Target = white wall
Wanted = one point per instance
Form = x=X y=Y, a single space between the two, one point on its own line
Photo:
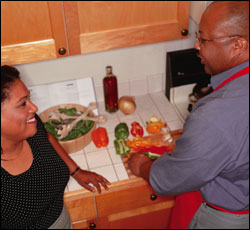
x=196 y=10
x=128 y=63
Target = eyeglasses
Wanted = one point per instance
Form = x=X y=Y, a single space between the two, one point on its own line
x=204 y=41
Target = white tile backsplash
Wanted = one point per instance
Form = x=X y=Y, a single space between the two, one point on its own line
x=138 y=86
x=123 y=88
x=155 y=83
x=99 y=92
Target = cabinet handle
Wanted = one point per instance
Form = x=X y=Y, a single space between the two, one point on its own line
x=153 y=196
x=62 y=51
x=184 y=32
x=92 y=225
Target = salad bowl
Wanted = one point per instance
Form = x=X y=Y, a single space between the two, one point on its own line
x=72 y=144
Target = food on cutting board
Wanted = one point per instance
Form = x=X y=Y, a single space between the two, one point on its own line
x=100 y=137
x=127 y=104
x=154 y=125
x=153 y=145
x=147 y=144
x=63 y=118
x=138 y=141
x=136 y=129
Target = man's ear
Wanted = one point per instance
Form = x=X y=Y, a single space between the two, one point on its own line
x=241 y=45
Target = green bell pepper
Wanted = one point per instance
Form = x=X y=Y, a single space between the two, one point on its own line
x=121 y=131
x=121 y=147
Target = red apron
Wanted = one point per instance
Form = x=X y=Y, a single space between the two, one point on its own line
x=188 y=203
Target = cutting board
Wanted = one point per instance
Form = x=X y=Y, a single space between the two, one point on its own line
x=155 y=138
x=158 y=138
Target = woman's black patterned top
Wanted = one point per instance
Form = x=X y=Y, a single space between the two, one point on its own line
x=34 y=199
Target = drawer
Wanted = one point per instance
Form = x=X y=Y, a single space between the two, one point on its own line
x=129 y=199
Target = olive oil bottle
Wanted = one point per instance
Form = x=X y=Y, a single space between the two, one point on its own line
x=110 y=91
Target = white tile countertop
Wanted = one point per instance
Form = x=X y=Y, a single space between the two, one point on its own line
x=105 y=161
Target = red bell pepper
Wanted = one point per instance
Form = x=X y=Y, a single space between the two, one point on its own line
x=136 y=129
x=153 y=149
x=100 y=137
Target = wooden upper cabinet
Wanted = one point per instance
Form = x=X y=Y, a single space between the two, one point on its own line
x=36 y=30
x=31 y=31
x=105 y=25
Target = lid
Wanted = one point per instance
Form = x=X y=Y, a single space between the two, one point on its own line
x=109 y=69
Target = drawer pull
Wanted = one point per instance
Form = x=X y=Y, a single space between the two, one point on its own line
x=184 y=32
x=92 y=225
x=153 y=196
x=62 y=51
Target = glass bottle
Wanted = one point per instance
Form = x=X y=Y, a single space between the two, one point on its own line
x=110 y=91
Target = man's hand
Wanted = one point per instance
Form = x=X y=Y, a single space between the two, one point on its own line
x=135 y=164
x=84 y=178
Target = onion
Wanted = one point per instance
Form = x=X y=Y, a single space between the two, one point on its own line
x=127 y=104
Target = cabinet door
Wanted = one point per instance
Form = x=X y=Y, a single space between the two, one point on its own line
x=134 y=208
x=104 y=25
x=31 y=31
x=81 y=211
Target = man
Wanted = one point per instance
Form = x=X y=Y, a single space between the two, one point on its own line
x=210 y=165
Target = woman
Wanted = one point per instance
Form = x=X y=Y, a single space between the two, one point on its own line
x=34 y=167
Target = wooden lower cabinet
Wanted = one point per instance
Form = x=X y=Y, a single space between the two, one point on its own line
x=135 y=207
x=81 y=208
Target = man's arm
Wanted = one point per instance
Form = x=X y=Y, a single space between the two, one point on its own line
x=140 y=165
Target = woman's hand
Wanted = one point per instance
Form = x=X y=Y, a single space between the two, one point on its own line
x=84 y=178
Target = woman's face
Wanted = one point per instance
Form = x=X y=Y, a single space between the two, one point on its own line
x=18 y=114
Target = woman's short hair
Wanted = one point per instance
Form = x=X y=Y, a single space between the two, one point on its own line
x=9 y=75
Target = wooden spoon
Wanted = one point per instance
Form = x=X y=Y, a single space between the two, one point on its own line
x=67 y=128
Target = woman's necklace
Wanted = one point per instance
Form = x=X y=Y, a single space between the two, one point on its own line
x=11 y=159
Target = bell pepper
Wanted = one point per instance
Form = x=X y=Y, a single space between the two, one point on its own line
x=153 y=149
x=121 y=131
x=136 y=129
x=155 y=127
x=140 y=141
x=151 y=155
x=100 y=137
x=121 y=147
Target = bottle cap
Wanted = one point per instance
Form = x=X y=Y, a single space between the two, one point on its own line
x=109 y=69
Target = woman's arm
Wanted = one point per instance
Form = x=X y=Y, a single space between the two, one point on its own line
x=83 y=177
x=62 y=153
